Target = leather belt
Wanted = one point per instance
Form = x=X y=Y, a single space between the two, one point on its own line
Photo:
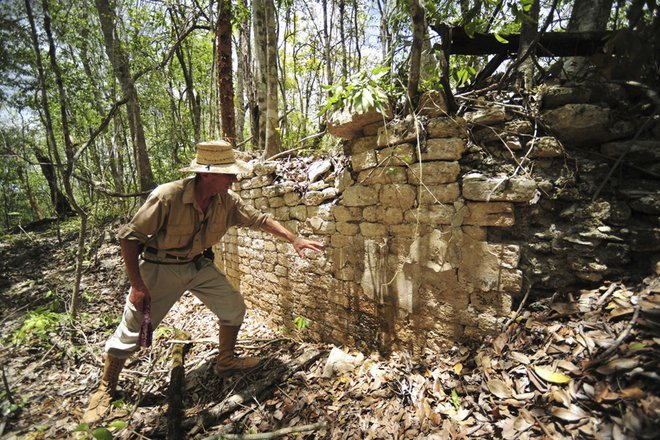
x=174 y=259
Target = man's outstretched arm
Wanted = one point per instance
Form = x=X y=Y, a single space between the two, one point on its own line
x=299 y=243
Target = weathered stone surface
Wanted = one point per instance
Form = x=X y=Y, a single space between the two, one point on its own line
x=348 y=125
x=344 y=214
x=363 y=161
x=443 y=149
x=432 y=104
x=264 y=168
x=298 y=212
x=640 y=152
x=399 y=133
x=398 y=196
x=360 y=196
x=590 y=92
x=447 y=127
x=487 y=116
x=433 y=194
x=362 y=144
x=291 y=198
x=373 y=229
x=478 y=187
x=256 y=182
x=312 y=198
x=383 y=175
x=399 y=155
x=318 y=169
x=347 y=228
x=519 y=127
x=584 y=123
x=490 y=214
x=545 y=147
x=432 y=215
x=433 y=172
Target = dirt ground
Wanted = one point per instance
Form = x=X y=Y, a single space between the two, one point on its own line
x=582 y=366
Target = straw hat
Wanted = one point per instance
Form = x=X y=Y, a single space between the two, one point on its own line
x=216 y=157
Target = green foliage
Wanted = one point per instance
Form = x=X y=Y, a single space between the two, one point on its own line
x=84 y=431
x=39 y=323
x=300 y=322
x=361 y=93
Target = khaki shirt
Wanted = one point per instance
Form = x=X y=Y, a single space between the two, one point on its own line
x=170 y=220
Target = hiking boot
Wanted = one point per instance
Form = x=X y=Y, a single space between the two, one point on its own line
x=101 y=400
x=227 y=362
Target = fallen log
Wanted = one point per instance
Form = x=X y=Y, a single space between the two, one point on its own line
x=269 y=435
x=257 y=389
x=177 y=387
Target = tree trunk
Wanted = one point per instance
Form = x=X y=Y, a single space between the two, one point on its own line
x=419 y=27
x=587 y=15
x=25 y=178
x=273 y=141
x=121 y=68
x=261 y=76
x=225 y=74
x=528 y=33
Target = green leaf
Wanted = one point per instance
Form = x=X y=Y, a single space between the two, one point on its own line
x=636 y=346
x=119 y=424
x=455 y=400
x=82 y=427
x=102 y=434
x=501 y=39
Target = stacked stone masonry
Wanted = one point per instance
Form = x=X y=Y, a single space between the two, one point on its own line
x=407 y=263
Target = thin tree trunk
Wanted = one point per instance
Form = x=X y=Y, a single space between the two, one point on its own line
x=587 y=15
x=60 y=203
x=25 y=178
x=419 y=28
x=245 y=71
x=273 y=141
x=70 y=153
x=121 y=68
x=259 y=24
x=225 y=74
x=528 y=33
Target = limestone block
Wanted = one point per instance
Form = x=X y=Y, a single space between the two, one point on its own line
x=276 y=202
x=447 y=127
x=359 y=195
x=398 y=155
x=383 y=175
x=256 y=182
x=313 y=198
x=443 y=149
x=341 y=241
x=322 y=211
x=509 y=254
x=483 y=269
x=372 y=129
x=434 y=194
x=252 y=193
x=478 y=187
x=488 y=135
x=347 y=273
x=318 y=169
x=433 y=172
x=345 y=214
x=398 y=196
x=372 y=214
x=519 y=127
x=318 y=186
x=584 y=123
x=261 y=203
x=392 y=216
x=291 y=198
x=495 y=114
x=363 y=161
x=403 y=230
x=343 y=180
x=277 y=190
x=399 y=133
x=434 y=251
x=320 y=226
x=298 y=212
x=545 y=147
x=347 y=228
x=265 y=168
x=362 y=144
x=348 y=125
x=432 y=104
x=490 y=214
x=640 y=152
x=432 y=215
x=373 y=229
x=282 y=214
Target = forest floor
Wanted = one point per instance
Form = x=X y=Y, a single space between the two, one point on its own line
x=581 y=366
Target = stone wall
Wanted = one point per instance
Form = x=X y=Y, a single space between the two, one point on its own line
x=434 y=225
x=407 y=262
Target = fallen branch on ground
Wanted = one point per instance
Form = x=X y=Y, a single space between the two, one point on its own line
x=269 y=435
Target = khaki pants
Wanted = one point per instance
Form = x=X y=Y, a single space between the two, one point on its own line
x=166 y=284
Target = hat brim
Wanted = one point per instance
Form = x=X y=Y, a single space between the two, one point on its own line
x=239 y=168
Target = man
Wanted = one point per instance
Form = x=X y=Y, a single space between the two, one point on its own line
x=163 y=246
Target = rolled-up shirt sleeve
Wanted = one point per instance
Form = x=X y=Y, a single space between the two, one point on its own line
x=246 y=215
x=147 y=221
